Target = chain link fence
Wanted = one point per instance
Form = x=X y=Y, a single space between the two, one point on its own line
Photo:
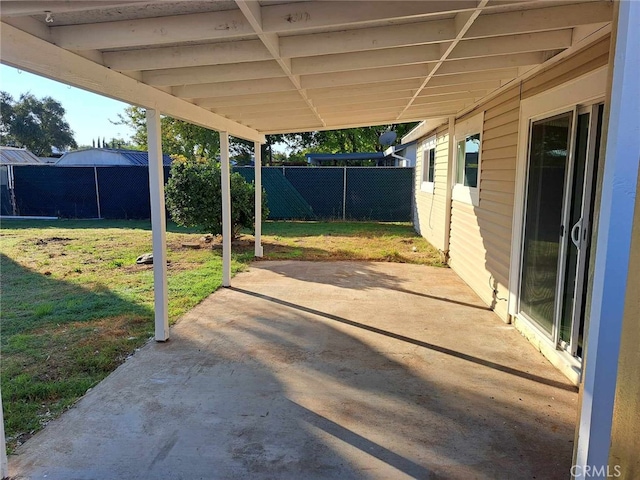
x=44 y=190
x=296 y=193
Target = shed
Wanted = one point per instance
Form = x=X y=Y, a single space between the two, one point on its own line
x=92 y=157
x=18 y=156
x=10 y=156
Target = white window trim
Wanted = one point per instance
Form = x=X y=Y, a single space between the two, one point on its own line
x=460 y=193
x=428 y=144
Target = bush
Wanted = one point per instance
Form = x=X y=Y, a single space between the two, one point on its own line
x=194 y=197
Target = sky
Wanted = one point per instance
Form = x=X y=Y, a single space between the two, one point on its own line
x=88 y=114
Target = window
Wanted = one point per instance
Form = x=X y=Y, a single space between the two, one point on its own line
x=467 y=160
x=428 y=165
x=468 y=154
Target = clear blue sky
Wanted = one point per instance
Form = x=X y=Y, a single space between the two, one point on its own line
x=88 y=114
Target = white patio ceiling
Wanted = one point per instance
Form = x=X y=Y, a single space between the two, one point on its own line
x=253 y=68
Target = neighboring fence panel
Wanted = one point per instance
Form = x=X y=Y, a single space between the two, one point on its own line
x=124 y=191
x=5 y=194
x=303 y=193
x=322 y=188
x=376 y=193
x=55 y=191
x=283 y=200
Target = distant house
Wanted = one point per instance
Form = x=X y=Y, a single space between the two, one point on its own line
x=18 y=156
x=395 y=156
x=404 y=155
x=96 y=157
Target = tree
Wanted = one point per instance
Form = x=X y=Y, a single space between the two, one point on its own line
x=178 y=137
x=194 y=142
x=194 y=197
x=37 y=125
x=350 y=140
x=190 y=141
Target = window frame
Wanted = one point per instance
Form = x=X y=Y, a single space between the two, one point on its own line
x=460 y=192
x=428 y=146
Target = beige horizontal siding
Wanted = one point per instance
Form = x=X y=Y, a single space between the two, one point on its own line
x=584 y=61
x=480 y=244
x=508 y=118
x=430 y=208
x=480 y=237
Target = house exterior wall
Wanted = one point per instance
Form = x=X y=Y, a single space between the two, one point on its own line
x=481 y=236
x=430 y=207
x=625 y=435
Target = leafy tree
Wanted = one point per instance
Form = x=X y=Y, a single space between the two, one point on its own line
x=35 y=124
x=350 y=140
x=194 y=142
x=194 y=197
x=178 y=137
x=191 y=141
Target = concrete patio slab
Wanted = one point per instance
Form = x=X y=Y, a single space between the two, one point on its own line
x=322 y=370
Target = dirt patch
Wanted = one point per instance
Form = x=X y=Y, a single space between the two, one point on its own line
x=46 y=241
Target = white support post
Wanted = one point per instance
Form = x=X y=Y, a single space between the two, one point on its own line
x=158 y=226
x=622 y=155
x=4 y=466
x=226 y=209
x=258 y=205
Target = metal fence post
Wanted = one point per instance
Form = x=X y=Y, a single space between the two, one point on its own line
x=344 y=194
x=11 y=181
x=95 y=175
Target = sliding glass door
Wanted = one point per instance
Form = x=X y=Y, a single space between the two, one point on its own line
x=563 y=155
x=548 y=163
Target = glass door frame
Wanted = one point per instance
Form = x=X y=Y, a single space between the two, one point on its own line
x=591 y=108
x=588 y=88
x=560 y=278
x=585 y=227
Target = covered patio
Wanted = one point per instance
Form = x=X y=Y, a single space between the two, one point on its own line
x=322 y=370
x=252 y=68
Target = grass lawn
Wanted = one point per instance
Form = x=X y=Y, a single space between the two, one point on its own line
x=74 y=304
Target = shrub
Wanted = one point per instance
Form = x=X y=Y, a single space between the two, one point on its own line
x=194 y=197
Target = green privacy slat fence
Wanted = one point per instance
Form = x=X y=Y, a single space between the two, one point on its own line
x=322 y=187
x=56 y=192
x=283 y=200
x=296 y=193
x=383 y=194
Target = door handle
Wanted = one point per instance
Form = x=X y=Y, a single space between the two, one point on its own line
x=575 y=233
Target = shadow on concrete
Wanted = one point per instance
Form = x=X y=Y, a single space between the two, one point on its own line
x=363 y=444
x=431 y=346
x=362 y=276
x=252 y=387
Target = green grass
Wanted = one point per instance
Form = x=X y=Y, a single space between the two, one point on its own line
x=74 y=304
x=326 y=241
